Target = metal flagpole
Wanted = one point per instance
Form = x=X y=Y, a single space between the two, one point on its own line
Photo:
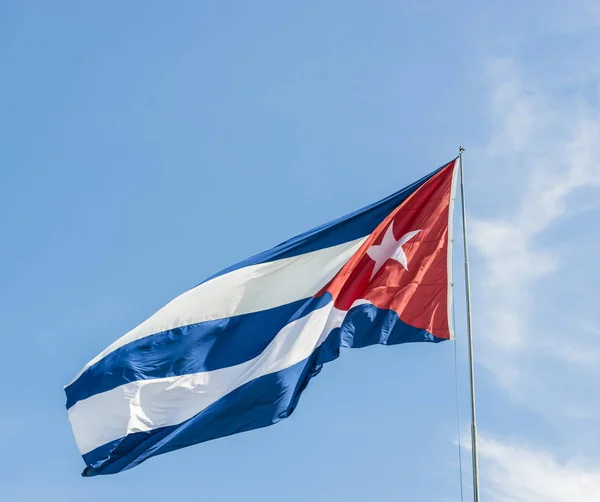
x=470 y=334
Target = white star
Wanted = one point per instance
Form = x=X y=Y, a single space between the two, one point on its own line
x=390 y=248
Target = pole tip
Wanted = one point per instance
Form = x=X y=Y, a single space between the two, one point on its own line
x=461 y=149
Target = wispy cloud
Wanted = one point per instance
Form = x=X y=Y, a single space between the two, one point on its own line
x=555 y=146
x=517 y=472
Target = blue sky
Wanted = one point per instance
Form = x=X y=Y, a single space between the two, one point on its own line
x=147 y=145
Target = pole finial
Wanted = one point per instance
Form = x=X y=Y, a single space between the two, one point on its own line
x=461 y=149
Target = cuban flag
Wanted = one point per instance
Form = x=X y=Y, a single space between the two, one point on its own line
x=236 y=352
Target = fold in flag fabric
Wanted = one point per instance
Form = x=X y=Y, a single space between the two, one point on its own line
x=235 y=352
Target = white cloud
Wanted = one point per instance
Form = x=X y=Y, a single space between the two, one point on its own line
x=516 y=472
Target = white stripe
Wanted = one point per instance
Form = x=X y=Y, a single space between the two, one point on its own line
x=450 y=249
x=148 y=404
x=245 y=290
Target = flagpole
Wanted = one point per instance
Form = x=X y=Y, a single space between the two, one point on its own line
x=469 y=334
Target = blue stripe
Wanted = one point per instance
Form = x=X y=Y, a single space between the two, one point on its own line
x=345 y=229
x=205 y=346
x=259 y=403
x=366 y=325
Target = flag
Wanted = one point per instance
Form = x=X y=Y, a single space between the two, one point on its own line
x=236 y=352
